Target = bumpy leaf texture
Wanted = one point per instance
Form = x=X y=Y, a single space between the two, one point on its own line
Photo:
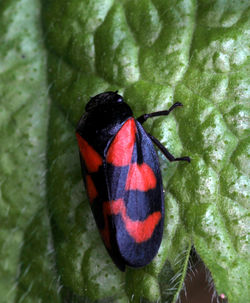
x=24 y=226
x=155 y=53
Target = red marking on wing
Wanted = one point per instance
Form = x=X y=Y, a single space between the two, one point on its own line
x=121 y=149
x=140 y=231
x=91 y=158
x=91 y=189
x=106 y=237
x=140 y=177
x=105 y=232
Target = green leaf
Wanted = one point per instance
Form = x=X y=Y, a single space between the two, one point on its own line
x=23 y=126
x=155 y=53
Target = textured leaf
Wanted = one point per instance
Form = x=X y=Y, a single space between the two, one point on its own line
x=24 y=234
x=155 y=53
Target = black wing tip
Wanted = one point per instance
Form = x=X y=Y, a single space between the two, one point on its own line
x=120 y=265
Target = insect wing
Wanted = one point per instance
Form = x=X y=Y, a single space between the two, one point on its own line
x=97 y=190
x=135 y=209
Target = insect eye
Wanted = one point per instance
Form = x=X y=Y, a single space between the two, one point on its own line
x=119 y=100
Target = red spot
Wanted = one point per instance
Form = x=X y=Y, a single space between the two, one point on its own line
x=91 y=189
x=105 y=232
x=140 y=231
x=121 y=149
x=140 y=177
x=106 y=236
x=91 y=158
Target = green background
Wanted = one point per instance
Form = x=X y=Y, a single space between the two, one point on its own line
x=54 y=55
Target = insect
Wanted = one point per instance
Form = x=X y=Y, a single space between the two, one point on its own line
x=122 y=176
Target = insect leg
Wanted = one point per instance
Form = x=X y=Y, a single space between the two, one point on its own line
x=165 y=152
x=144 y=117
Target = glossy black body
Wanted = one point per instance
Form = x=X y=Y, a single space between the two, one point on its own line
x=105 y=114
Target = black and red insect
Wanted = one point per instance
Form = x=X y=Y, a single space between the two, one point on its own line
x=123 y=180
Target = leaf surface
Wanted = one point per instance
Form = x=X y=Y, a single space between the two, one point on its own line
x=155 y=53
